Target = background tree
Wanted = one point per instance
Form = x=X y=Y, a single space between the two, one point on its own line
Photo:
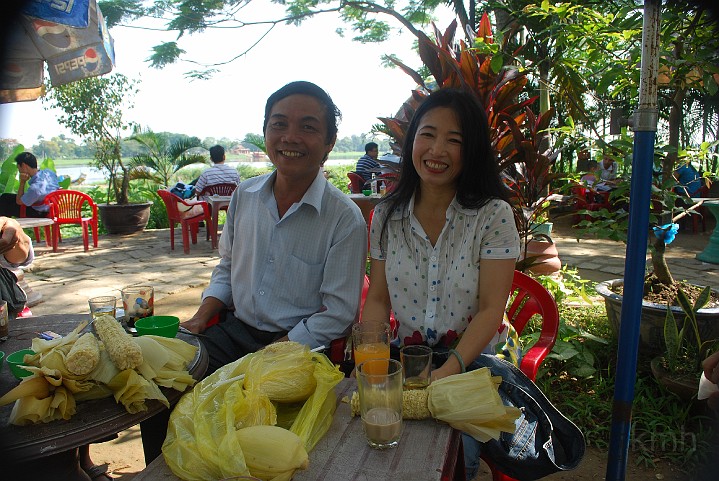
x=162 y=158
x=93 y=108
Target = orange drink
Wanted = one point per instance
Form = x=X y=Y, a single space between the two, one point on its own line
x=372 y=350
x=370 y=340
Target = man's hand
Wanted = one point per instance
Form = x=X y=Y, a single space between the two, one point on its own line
x=210 y=307
x=711 y=372
x=24 y=177
x=14 y=243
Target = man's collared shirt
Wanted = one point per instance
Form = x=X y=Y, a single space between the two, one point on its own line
x=302 y=273
x=39 y=185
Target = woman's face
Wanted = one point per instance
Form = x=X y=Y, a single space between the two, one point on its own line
x=437 y=148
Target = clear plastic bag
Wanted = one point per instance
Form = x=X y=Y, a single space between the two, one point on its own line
x=200 y=442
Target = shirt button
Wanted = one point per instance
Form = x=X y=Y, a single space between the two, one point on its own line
x=262 y=293
x=271 y=260
x=433 y=258
x=432 y=288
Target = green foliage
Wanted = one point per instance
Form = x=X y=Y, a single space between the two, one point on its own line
x=663 y=426
x=8 y=172
x=162 y=158
x=675 y=340
x=93 y=108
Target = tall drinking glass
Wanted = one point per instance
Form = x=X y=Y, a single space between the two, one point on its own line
x=138 y=302
x=380 y=390
x=370 y=341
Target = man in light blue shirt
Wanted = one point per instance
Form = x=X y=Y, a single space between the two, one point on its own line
x=35 y=184
x=293 y=247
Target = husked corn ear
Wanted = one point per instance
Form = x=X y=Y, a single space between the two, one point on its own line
x=84 y=355
x=120 y=346
x=271 y=451
x=414 y=404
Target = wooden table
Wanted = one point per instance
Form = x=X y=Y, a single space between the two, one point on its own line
x=428 y=451
x=366 y=203
x=217 y=202
x=40 y=448
x=711 y=251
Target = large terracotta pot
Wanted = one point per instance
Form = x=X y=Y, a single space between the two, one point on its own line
x=651 y=327
x=124 y=218
x=547 y=261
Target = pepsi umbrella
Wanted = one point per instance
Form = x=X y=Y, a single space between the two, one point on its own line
x=70 y=36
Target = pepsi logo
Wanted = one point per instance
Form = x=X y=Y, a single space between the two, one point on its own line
x=12 y=75
x=92 y=60
x=54 y=34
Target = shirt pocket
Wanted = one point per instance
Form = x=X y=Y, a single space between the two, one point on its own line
x=302 y=283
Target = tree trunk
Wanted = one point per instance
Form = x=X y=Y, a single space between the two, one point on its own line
x=659 y=263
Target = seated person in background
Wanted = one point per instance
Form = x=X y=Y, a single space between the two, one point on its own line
x=368 y=161
x=293 y=249
x=35 y=184
x=219 y=173
x=453 y=294
x=689 y=179
x=608 y=169
x=590 y=177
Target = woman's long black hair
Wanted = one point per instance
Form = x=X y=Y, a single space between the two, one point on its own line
x=479 y=181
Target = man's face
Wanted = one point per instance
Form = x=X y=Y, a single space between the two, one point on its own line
x=374 y=153
x=23 y=168
x=296 y=136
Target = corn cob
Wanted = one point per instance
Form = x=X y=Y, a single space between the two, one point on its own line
x=84 y=355
x=414 y=404
x=120 y=346
x=271 y=452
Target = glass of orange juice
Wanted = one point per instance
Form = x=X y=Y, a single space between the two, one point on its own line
x=370 y=340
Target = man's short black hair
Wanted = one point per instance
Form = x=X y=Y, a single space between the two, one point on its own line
x=332 y=113
x=26 y=158
x=217 y=153
x=370 y=146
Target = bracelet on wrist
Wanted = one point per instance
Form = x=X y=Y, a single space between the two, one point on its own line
x=457 y=355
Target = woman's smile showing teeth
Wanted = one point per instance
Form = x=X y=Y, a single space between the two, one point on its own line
x=434 y=166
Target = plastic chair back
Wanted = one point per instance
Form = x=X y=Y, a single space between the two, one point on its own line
x=356 y=182
x=218 y=189
x=73 y=207
x=529 y=298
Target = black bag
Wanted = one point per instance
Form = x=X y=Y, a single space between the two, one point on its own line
x=544 y=442
x=11 y=292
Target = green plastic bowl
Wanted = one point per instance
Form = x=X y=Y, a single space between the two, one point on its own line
x=15 y=360
x=165 y=326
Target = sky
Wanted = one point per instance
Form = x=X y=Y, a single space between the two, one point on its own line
x=231 y=104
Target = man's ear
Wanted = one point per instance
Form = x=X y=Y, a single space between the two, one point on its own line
x=330 y=146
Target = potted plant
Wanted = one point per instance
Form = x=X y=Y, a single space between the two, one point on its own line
x=93 y=108
x=679 y=367
x=660 y=286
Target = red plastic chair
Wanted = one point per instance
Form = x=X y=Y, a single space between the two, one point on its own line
x=217 y=189
x=529 y=297
x=68 y=207
x=356 y=184
x=190 y=225
x=588 y=199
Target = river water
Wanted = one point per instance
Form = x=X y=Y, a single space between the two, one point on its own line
x=92 y=175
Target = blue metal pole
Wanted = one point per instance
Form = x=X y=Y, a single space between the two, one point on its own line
x=645 y=126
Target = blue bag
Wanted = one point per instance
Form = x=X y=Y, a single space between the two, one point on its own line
x=183 y=191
